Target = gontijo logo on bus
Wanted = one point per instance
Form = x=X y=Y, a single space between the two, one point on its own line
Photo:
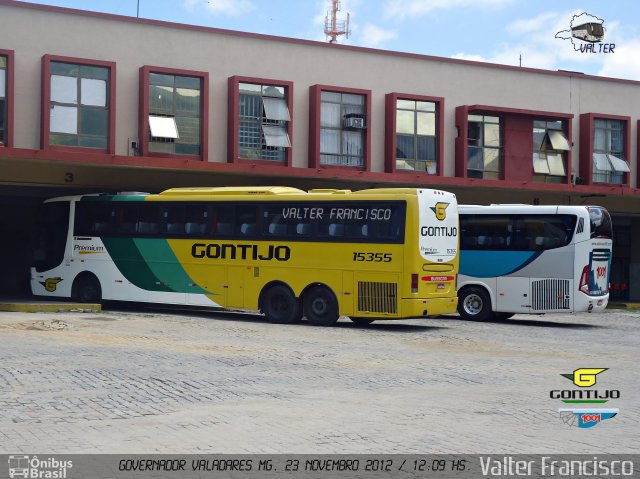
x=440 y=209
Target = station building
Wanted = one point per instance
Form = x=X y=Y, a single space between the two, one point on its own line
x=91 y=102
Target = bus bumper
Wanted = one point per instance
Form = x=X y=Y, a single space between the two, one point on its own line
x=417 y=308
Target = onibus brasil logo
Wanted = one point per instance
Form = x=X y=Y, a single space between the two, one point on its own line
x=32 y=467
x=579 y=416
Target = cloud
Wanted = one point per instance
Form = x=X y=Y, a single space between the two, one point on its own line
x=374 y=36
x=230 y=8
x=401 y=9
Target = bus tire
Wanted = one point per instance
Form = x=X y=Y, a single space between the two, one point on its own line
x=86 y=289
x=362 y=321
x=321 y=306
x=280 y=305
x=474 y=304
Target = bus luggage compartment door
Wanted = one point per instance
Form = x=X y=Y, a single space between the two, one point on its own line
x=513 y=295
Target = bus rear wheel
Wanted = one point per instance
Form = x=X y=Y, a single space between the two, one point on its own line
x=474 y=304
x=321 y=307
x=86 y=289
x=280 y=305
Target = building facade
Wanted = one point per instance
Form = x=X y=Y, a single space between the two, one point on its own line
x=94 y=102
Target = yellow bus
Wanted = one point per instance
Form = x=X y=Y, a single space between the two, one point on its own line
x=372 y=254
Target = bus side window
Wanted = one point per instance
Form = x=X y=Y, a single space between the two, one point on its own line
x=246 y=220
x=148 y=223
x=196 y=224
x=173 y=219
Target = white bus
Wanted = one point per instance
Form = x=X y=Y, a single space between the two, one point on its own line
x=533 y=260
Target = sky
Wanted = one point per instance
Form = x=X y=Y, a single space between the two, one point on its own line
x=511 y=32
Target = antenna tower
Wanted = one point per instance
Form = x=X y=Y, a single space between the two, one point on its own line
x=334 y=28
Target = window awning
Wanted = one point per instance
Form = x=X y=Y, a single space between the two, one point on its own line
x=276 y=109
x=276 y=136
x=619 y=164
x=558 y=140
x=163 y=127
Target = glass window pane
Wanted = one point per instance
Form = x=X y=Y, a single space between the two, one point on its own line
x=600 y=139
x=88 y=71
x=160 y=79
x=618 y=164
x=192 y=83
x=93 y=121
x=352 y=143
x=405 y=147
x=405 y=122
x=160 y=99
x=64 y=89
x=540 y=164
x=188 y=129
x=351 y=99
x=64 y=119
x=491 y=159
x=163 y=127
x=330 y=115
x=475 y=160
x=601 y=162
x=491 y=134
x=276 y=109
x=329 y=141
x=426 y=124
x=559 y=140
x=426 y=148
x=538 y=138
x=426 y=106
x=188 y=101
x=93 y=92
x=273 y=91
x=276 y=136
x=3 y=83
x=250 y=87
x=556 y=165
x=330 y=96
x=406 y=104
x=70 y=69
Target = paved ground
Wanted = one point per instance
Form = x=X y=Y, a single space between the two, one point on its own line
x=125 y=381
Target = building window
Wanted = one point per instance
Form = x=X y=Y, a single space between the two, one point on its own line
x=609 y=156
x=416 y=136
x=3 y=100
x=263 y=122
x=550 y=145
x=342 y=129
x=79 y=105
x=484 y=147
x=175 y=114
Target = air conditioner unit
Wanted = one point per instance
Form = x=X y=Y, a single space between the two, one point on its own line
x=355 y=122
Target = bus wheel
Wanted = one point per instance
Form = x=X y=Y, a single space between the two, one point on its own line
x=362 y=321
x=280 y=305
x=474 y=304
x=86 y=289
x=321 y=307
